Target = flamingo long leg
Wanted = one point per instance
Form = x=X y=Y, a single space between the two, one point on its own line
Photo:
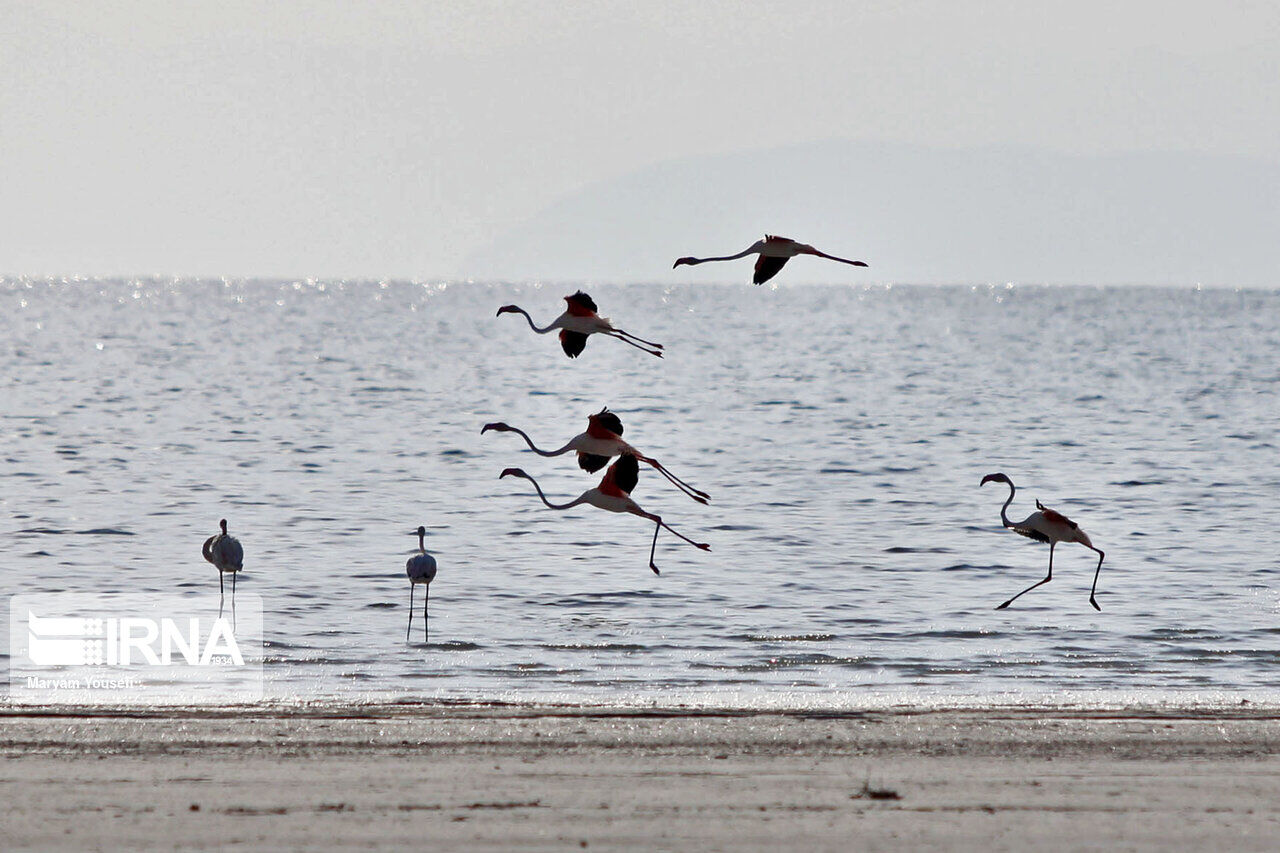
x=683 y=487
x=638 y=339
x=426 y=619
x=697 y=494
x=657 y=519
x=632 y=343
x=410 y=626
x=704 y=546
x=654 y=547
x=1096 y=572
x=841 y=260
x=1034 y=585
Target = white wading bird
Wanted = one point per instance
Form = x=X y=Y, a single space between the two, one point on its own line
x=774 y=253
x=224 y=551
x=614 y=495
x=580 y=320
x=421 y=569
x=601 y=442
x=1046 y=526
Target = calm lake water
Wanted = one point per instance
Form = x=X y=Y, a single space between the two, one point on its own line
x=841 y=431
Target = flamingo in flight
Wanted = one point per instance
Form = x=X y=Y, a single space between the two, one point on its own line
x=421 y=569
x=1046 y=525
x=774 y=253
x=580 y=320
x=601 y=442
x=614 y=495
x=224 y=551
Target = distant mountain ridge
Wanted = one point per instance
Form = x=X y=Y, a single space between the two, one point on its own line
x=915 y=214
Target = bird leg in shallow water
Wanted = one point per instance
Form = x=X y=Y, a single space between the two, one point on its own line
x=426 y=618
x=1096 y=572
x=410 y=625
x=1034 y=585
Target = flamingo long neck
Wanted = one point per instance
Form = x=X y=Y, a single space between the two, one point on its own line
x=1004 y=518
x=741 y=254
x=551 y=326
x=537 y=449
x=422 y=545
x=572 y=503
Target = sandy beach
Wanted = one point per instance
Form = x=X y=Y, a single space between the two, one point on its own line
x=454 y=777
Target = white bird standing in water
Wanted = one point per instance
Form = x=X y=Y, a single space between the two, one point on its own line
x=774 y=252
x=224 y=551
x=1049 y=526
x=421 y=569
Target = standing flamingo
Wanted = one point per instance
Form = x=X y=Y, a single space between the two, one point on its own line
x=601 y=442
x=224 y=551
x=774 y=253
x=580 y=320
x=614 y=495
x=1046 y=525
x=421 y=569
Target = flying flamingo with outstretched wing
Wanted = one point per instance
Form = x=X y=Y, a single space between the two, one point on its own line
x=774 y=253
x=580 y=320
x=614 y=495
x=601 y=442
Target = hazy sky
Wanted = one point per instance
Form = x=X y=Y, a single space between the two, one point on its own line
x=392 y=138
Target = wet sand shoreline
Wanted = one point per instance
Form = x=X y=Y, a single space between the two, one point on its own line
x=545 y=777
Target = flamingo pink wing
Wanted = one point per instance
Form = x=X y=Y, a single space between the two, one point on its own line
x=1056 y=517
x=581 y=305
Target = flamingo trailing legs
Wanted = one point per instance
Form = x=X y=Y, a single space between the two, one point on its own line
x=774 y=252
x=578 y=322
x=601 y=442
x=614 y=495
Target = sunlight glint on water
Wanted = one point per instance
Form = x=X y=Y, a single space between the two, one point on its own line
x=842 y=433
